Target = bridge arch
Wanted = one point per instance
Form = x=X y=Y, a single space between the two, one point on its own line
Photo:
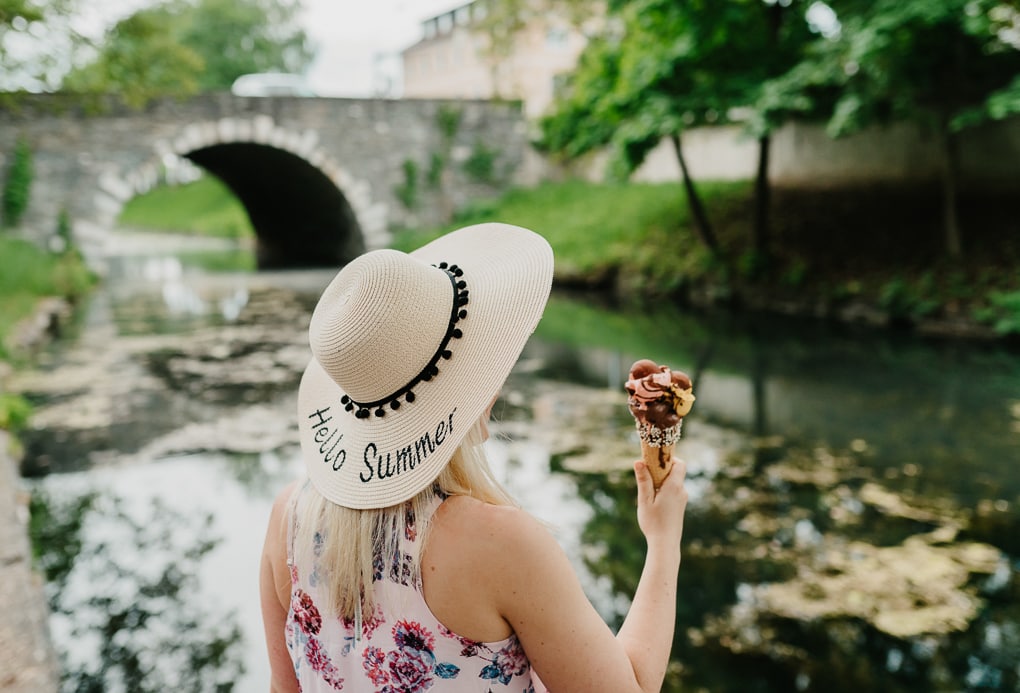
x=339 y=170
x=306 y=209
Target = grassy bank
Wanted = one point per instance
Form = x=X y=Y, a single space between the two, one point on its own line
x=631 y=236
x=865 y=254
x=635 y=237
x=869 y=255
x=28 y=274
x=204 y=207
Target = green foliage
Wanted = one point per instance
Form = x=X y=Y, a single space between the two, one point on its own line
x=233 y=260
x=18 y=184
x=448 y=121
x=1000 y=104
x=407 y=191
x=140 y=58
x=751 y=264
x=64 y=230
x=434 y=176
x=15 y=412
x=661 y=66
x=24 y=268
x=16 y=11
x=1002 y=313
x=480 y=165
x=28 y=274
x=203 y=207
x=640 y=231
x=178 y=48
x=236 y=37
x=795 y=274
x=36 y=41
x=478 y=209
x=55 y=531
x=807 y=91
x=942 y=64
x=902 y=299
x=14 y=307
x=585 y=116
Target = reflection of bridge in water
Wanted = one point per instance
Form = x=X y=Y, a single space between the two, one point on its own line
x=318 y=177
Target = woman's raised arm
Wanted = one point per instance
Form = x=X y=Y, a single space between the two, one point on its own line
x=274 y=590
x=569 y=645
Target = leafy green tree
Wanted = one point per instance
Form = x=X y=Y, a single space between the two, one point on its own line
x=12 y=10
x=36 y=40
x=236 y=37
x=944 y=65
x=178 y=48
x=141 y=59
x=663 y=66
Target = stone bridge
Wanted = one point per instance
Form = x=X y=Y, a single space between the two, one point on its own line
x=322 y=179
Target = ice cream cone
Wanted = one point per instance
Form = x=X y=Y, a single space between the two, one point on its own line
x=658 y=399
x=659 y=460
x=657 y=448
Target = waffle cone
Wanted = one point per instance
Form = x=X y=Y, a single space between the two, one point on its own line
x=659 y=460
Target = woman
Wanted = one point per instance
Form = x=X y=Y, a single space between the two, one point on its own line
x=400 y=565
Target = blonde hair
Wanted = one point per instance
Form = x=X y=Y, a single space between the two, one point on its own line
x=344 y=546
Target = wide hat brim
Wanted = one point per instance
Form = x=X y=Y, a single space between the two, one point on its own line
x=380 y=461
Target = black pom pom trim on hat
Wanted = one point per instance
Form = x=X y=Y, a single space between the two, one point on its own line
x=364 y=410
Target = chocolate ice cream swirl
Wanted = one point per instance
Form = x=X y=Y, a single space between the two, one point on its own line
x=657 y=395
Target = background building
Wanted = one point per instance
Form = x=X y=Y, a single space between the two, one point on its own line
x=454 y=59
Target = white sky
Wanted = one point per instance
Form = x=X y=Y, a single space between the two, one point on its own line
x=359 y=42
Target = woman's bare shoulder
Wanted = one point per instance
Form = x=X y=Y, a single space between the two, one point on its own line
x=506 y=534
x=277 y=532
x=283 y=499
x=477 y=515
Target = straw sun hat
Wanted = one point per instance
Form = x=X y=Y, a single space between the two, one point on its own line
x=408 y=350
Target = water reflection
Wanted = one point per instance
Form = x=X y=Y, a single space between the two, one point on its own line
x=855 y=500
x=944 y=408
x=123 y=586
x=776 y=595
x=861 y=532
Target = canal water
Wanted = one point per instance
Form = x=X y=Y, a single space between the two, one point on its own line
x=855 y=497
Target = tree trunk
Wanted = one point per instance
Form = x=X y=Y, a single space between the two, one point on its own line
x=702 y=227
x=762 y=198
x=762 y=190
x=950 y=187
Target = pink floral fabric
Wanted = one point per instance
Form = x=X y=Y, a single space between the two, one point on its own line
x=402 y=647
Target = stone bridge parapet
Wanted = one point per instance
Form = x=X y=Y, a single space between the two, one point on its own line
x=322 y=179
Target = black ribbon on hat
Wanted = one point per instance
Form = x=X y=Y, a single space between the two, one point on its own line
x=363 y=410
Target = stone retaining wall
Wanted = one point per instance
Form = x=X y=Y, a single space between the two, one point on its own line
x=27 y=660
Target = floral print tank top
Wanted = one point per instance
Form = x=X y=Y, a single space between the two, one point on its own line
x=402 y=648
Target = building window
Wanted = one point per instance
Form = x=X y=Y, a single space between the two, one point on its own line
x=444 y=22
x=430 y=28
x=462 y=15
